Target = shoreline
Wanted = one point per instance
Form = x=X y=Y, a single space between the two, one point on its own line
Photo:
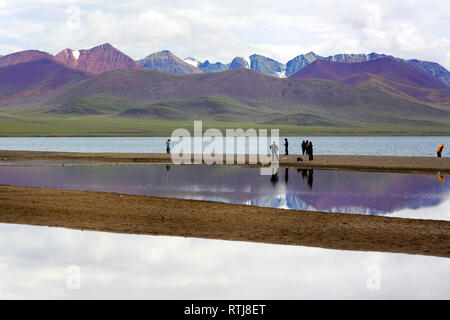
x=134 y=214
x=401 y=164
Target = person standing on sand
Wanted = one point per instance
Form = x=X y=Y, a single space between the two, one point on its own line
x=168 y=146
x=274 y=149
x=439 y=150
x=303 y=147
x=309 y=151
x=286 y=147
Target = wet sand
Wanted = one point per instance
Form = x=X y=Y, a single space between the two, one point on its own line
x=431 y=165
x=110 y=212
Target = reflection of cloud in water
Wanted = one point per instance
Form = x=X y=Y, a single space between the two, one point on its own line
x=439 y=212
x=33 y=264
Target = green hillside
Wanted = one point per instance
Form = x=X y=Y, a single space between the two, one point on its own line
x=147 y=103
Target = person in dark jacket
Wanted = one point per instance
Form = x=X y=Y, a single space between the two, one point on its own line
x=303 y=147
x=286 y=147
x=309 y=150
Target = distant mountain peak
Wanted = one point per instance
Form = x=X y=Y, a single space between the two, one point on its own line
x=23 y=57
x=165 y=52
x=97 y=59
x=266 y=65
x=239 y=62
x=166 y=61
x=192 y=61
x=104 y=46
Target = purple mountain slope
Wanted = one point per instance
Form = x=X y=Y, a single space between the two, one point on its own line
x=34 y=78
x=382 y=75
x=388 y=68
x=22 y=57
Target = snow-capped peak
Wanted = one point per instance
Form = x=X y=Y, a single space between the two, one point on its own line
x=248 y=61
x=76 y=54
x=191 y=61
x=282 y=73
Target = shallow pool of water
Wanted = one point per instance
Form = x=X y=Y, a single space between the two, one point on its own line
x=56 y=263
x=390 y=194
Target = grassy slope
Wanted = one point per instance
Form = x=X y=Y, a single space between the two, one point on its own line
x=121 y=103
x=104 y=125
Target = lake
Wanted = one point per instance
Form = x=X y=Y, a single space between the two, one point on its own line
x=56 y=263
x=394 y=146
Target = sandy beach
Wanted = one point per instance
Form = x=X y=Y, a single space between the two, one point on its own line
x=111 y=212
x=431 y=165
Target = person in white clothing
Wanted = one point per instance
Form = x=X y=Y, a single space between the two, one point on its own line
x=274 y=149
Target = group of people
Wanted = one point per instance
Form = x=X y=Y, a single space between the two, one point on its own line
x=307 y=148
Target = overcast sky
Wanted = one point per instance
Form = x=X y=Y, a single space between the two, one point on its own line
x=221 y=30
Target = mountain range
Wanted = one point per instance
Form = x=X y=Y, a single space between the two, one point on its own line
x=333 y=92
x=278 y=69
x=274 y=68
x=106 y=58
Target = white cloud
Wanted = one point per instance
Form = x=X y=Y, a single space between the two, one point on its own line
x=216 y=30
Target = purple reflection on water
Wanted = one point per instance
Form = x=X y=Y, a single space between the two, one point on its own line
x=321 y=190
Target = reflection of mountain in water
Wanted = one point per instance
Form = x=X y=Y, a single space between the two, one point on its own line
x=290 y=201
x=283 y=202
x=333 y=191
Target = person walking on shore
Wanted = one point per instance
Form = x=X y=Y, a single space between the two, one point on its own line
x=439 y=150
x=274 y=149
x=168 y=146
x=309 y=150
x=286 y=147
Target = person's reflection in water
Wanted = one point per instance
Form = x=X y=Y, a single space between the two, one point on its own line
x=304 y=173
x=310 y=178
x=286 y=175
x=168 y=172
x=274 y=177
x=441 y=178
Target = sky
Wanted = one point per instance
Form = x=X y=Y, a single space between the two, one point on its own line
x=222 y=30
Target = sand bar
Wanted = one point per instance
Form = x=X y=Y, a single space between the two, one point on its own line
x=111 y=212
x=431 y=165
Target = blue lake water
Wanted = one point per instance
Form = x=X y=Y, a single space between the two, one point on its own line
x=56 y=263
x=395 y=146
